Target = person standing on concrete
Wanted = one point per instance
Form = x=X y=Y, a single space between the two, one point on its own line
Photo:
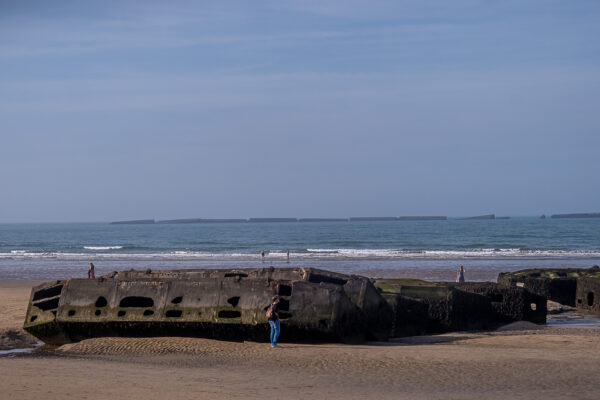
x=91 y=273
x=273 y=317
x=460 y=274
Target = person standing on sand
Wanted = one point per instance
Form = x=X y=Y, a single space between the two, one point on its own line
x=91 y=273
x=262 y=254
x=273 y=317
x=288 y=255
x=460 y=274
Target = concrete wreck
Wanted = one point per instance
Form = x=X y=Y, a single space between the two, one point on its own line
x=315 y=305
x=422 y=307
x=575 y=287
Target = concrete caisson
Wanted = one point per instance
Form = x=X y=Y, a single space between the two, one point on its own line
x=557 y=284
x=316 y=305
x=588 y=294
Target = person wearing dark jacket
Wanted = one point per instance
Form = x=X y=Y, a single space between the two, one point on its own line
x=273 y=317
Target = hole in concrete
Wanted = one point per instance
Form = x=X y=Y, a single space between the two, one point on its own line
x=496 y=297
x=177 y=300
x=199 y=312
x=236 y=275
x=71 y=313
x=136 y=301
x=285 y=290
x=49 y=292
x=33 y=318
x=533 y=306
x=148 y=312
x=121 y=313
x=173 y=313
x=97 y=313
x=229 y=314
x=284 y=315
x=101 y=302
x=579 y=301
x=590 y=299
x=316 y=278
x=284 y=304
x=234 y=300
x=47 y=304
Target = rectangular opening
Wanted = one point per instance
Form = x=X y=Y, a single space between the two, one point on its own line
x=285 y=315
x=136 y=301
x=236 y=275
x=284 y=305
x=47 y=304
x=48 y=292
x=285 y=290
x=173 y=313
x=229 y=314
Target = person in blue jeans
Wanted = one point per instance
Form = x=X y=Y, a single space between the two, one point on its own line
x=273 y=317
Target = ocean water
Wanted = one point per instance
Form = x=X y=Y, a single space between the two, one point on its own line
x=422 y=249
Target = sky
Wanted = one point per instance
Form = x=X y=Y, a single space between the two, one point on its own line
x=127 y=110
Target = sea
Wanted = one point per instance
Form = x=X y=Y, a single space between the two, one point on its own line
x=431 y=250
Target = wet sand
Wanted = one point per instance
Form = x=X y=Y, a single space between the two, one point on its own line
x=546 y=363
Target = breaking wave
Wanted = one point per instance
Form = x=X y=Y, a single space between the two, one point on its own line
x=103 y=247
x=109 y=253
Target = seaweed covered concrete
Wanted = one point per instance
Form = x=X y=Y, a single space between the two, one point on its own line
x=588 y=294
x=556 y=284
x=509 y=304
x=224 y=304
x=422 y=307
x=316 y=305
x=426 y=307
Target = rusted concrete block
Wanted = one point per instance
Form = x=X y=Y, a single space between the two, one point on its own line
x=316 y=305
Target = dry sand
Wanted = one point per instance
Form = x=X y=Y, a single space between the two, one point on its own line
x=519 y=364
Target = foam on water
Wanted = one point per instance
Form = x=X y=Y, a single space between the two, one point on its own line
x=57 y=250
x=103 y=247
x=308 y=254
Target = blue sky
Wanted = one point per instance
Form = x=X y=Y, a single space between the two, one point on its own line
x=118 y=110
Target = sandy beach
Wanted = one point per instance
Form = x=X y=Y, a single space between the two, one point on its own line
x=535 y=363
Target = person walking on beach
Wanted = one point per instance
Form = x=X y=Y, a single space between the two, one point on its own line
x=262 y=254
x=273 y=317
x=460 y=274
x=91 y=273
x=288 y=255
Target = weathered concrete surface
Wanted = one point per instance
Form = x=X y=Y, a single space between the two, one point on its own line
x=428 y=307
x=588 y=294
x=224 y=304
x=425 y=307
x=556 y=284
x=509 y=304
